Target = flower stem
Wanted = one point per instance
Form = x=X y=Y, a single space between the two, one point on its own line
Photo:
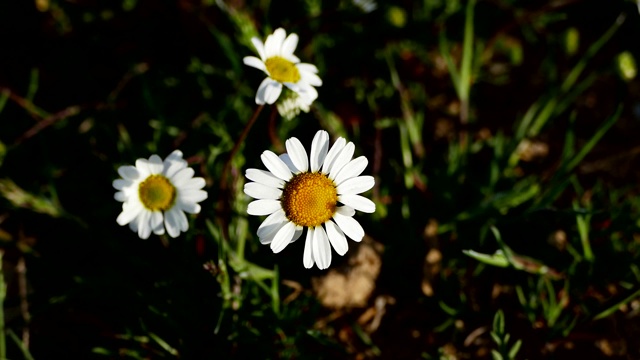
x=236 y=147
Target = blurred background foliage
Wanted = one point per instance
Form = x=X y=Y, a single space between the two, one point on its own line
x=503 y=135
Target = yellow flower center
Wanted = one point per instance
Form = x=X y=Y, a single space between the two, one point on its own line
x=282 y=70
x=309 y=199
x=157 y=193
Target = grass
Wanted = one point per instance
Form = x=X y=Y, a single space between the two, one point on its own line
x=502 y=136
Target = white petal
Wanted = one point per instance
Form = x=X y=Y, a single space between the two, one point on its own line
x=159 y=230
x=356 y=185
x=346 y=210
x=269 y=91
x=271 y=223
x=172 y=166
x=307 y=255
x=307 y=93
x=297 y=234
x=319 y=149
x=189 y=207
x=259 y=191
x=183 y=222
x=172 y=223
x=120 y=184
x=310 y=68
x=192 y=196
x=264 y=177
x=273 y=44
x=289 y=45
x=349 y=226
x=143 y=167
x=129 y=172
x=129 y=213
x=155 y=164
x=336 y=237
x=358 y=202
x=144 y=226
x=287 y=160
x=283 y=237
x=257 y=43
x=341 y=160
x=331 y=155
x=196 y=183
x=321 y=248
x=156 y=219
x=354 y=168
x=255 y=63
x=120 y=196
x=297 y=154
x=182 y=177
x=263 y=207
x=309 y=78
x=276 y=165
x=268 y=238
x=176 y=155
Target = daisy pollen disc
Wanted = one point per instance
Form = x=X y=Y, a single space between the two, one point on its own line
x=282 y=70
x=157 y=193
x=309 y=199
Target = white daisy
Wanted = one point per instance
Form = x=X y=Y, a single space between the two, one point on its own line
x=282 y=67
x=156 y=194
x=319 y=193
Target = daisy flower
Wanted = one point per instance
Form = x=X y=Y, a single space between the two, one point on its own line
x=155 y=195
x=282 y=67
x=319 y=193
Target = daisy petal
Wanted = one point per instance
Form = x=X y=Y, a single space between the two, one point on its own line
x=287 y=160
x=346 y=210
x=309 y=68
x=120 y=184
x=255 y=63
x=283 y=237
x=182 y=176
x=331 y=155
x=144 y=227
x=155 y=164
x=129 y=213
x=289 y=45
x=259 y=191
x=321 y=248
x=271 y=223
x=273 y=44
x=264 y=177
x=268 y=91
x=358 y=202
x=310 y=78
x=263 y=207
x=356 y=185
x=354 y=168
x=341 y=160
x=297 y=234
x=171 y=222
x=129 y=172
x=350 y=226
x=257 y=43
x=268 y=238
x=307 y=256
x=276 y=165
x=297 y=154
x=120 y=196
x=192 y=196
x=337 y=238
x=319 y=149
